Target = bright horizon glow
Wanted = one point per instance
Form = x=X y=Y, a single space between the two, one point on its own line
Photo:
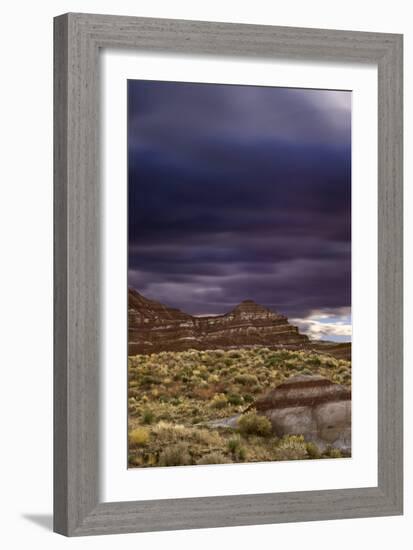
x=322 y=325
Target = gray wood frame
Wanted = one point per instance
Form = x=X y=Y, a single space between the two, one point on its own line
x=77 y=506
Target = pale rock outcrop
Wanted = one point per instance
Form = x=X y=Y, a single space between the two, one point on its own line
x=312 y=406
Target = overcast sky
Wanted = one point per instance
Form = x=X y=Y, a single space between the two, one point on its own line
x=242 y=192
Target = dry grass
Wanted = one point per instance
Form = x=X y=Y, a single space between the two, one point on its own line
x=253 y=424
x=172 y=395
x=138 y=437
x=177 y=455
x=214 y=458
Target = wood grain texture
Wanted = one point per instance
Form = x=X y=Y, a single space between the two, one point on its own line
x=60 y=277
x=78 y=39
x=390 y=272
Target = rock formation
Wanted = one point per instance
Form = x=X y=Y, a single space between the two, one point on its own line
x=154 y=327
x=312 y=406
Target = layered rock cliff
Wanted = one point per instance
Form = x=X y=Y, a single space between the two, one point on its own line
x=154 y=327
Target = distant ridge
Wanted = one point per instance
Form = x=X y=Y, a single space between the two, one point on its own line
x=154 y=327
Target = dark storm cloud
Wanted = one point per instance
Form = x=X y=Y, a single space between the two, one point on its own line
x=239 y=192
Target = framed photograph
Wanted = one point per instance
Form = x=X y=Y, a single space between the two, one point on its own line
x=228 y=274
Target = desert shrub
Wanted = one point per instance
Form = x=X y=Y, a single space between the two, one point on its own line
x=213 y=458
x=213 y=378
x=206 y=437
x=312 y=450
x=166 y=432
x=314 y=360
x=234 y=444
x=291 y=447
x=203 y=393
x=132 y=410
x=151 y=460
x=242 y=453
x=333 y=453
x=148 y=417
x=138 y=437
x=281 y=355
x=132 y=393
x=306 y=371
x=248 y=398
x=235 y=399
x=219 y=401
x=253 y=424
x=246 y=379
x=176 y=455
x=347 y=378
x=148 y=380
x=135 y=460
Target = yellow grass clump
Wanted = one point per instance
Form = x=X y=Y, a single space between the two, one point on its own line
x=138 y=437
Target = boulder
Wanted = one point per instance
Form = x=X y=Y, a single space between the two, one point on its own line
x=312 y=406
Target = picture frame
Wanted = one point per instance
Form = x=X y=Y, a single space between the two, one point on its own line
x=78 y=38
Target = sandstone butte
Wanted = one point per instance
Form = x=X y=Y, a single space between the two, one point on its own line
x=154 y=327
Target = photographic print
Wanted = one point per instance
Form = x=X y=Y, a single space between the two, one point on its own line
x=239 y=273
